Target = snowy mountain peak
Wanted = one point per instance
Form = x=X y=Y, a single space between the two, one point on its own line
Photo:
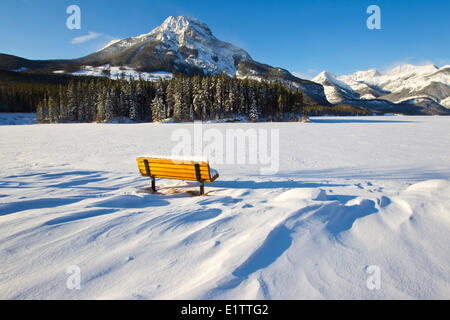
x=411 y=69
x=181 y=25
x=327 y=78
x=324 y=75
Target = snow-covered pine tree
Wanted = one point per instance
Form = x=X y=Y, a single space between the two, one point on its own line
x=196 y=97
x=253 y=112
x=219 y=98
x=160 y=92
x=158 y=112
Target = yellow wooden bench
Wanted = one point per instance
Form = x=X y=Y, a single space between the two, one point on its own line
x=177 y=169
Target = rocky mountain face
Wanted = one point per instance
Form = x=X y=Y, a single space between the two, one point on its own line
x=424 y=89
x=180 y=44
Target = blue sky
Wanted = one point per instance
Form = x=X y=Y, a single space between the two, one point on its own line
x=305 y=37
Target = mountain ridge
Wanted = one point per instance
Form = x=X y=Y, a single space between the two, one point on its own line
x=425 y=86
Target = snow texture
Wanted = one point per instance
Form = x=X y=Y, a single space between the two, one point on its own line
x=351 y=193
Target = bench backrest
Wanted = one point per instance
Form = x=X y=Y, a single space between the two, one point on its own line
x=174 y=169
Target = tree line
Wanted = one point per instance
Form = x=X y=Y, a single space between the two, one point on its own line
x=181 y=99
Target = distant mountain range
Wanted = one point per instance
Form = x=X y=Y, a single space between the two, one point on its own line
x=425 y=88
x=186 y=45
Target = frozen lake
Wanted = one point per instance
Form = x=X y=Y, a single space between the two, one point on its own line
x=350 y=195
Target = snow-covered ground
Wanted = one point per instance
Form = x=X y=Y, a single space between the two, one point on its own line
x=119 y=72
x=358 y=202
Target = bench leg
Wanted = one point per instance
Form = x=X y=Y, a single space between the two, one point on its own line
x=153 y=184
x=202 y=188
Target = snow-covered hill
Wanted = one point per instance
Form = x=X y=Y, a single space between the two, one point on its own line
x=353 y=195
x=418 y=85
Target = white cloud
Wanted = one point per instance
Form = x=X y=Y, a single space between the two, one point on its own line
x=91 y=35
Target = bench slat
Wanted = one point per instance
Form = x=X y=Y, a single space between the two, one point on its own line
x=162 y=175
x=156 y=171
x=172 y=166
x=177 y=178
x=188 y=175
x=175 y=168
x=169 y=161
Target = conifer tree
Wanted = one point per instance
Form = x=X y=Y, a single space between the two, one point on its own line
x=158 y=112
x=72 y=102
x=100 y=104
x=41 y=115
x=52 y=110
x=108 y=106
x=170 y=97
x=82 y=102
x=230 y=102
x=253 y=112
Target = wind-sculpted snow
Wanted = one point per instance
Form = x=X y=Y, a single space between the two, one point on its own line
x=351 y=193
